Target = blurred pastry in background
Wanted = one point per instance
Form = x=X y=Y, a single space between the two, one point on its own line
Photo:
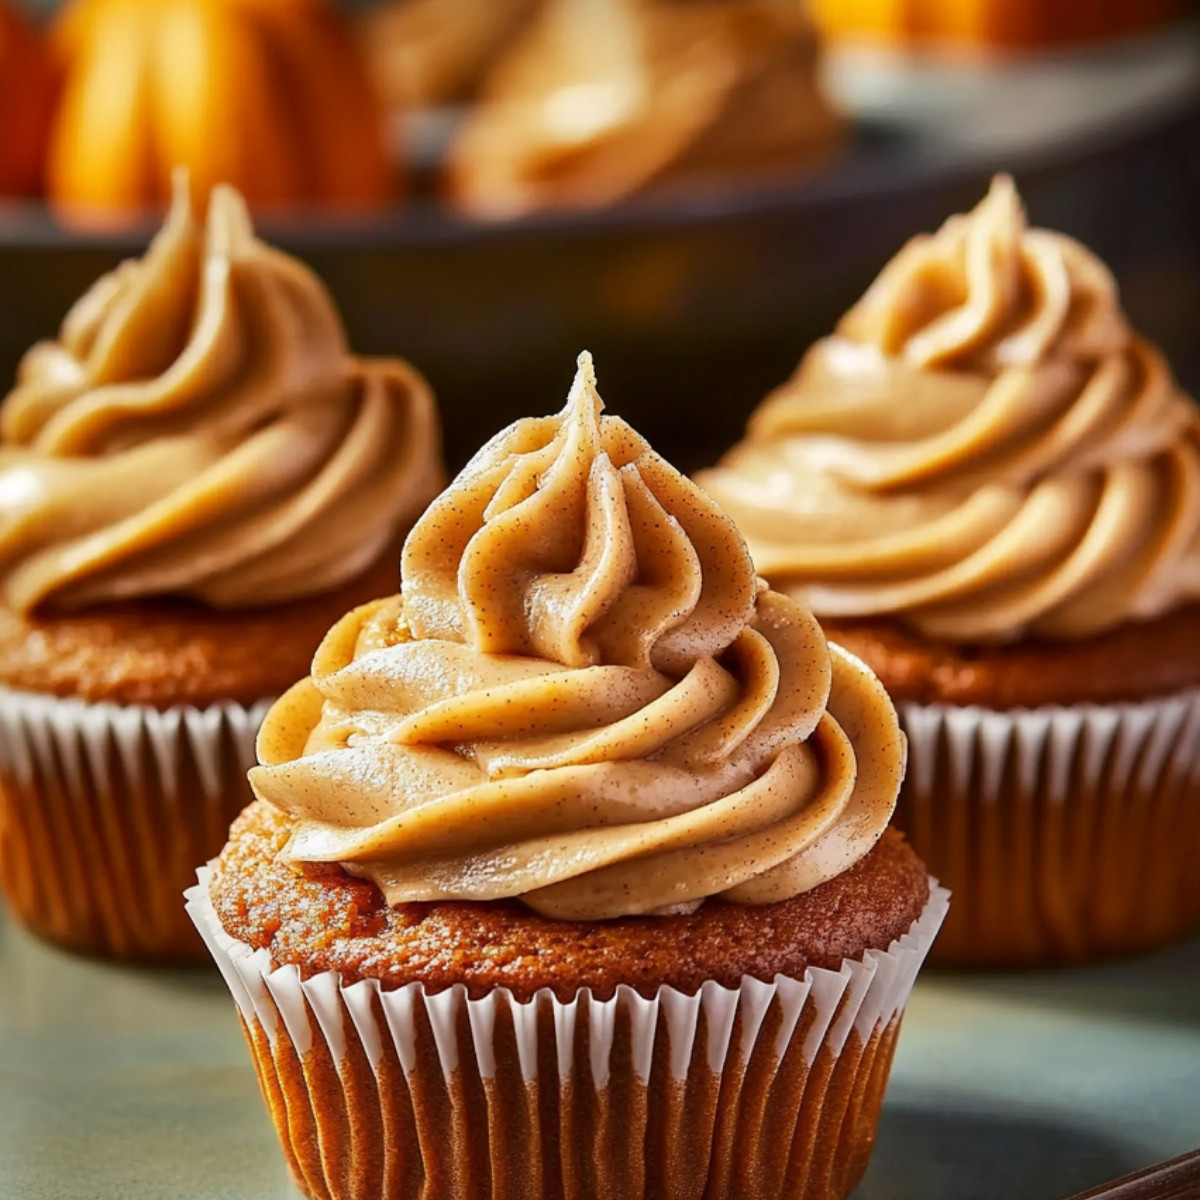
x=606 y=99
x=1000 y=24
x=270 y=97
x=429 y=53
x=26 y=101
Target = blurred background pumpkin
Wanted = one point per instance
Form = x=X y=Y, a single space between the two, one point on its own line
x=269 y=95
x=26 y=99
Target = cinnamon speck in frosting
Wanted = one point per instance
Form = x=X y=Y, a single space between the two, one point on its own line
x=583 y=698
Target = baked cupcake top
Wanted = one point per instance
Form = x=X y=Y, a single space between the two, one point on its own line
x=984 y=450
x=200 y=429
x=602 y=99
x=584 y=698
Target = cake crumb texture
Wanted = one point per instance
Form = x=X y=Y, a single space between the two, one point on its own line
x=1136 y=661
x=322 y=919
x=163 y=652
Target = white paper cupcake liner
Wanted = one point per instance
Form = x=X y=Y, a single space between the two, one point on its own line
x=105 y=809
x=1065 y=833
x=767 y=1089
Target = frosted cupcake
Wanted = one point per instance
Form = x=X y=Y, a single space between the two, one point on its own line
x=603 y=100
x=570 y=869
x=195 y=478
x=988 y=486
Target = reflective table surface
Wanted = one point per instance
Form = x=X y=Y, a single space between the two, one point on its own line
x=129 y=1084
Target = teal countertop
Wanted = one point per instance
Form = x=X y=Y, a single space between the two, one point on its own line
x=119 y=1084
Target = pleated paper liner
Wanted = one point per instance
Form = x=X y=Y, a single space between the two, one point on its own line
x=105 y=810
x=770 y=1090
x=1065 y=834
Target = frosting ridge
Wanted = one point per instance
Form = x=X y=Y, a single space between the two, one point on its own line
x=199 y=428
x=984 y=449
x=584 y=698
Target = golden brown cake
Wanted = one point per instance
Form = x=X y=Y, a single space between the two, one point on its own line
x=166 y=651
x=988 y=486
x=195 y=478
x=1129 y=663
x=602 y=100
x=321 y=919
x=570 y=864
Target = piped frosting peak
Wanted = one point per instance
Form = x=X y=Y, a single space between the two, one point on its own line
x=583 y=698
x=568 y=538
x=988 y=292
x=984 y=450
x=199 y=428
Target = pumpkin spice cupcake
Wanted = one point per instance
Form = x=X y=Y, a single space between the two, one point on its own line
x=988 y=487
x=195 y=479
x=603 y=100
x=570 y=872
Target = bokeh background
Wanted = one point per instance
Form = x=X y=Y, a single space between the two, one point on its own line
x=697 y=299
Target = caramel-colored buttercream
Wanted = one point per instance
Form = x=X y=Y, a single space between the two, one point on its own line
x=602 y=99
x=583 y=698
x=984 y=449
x=199 y=429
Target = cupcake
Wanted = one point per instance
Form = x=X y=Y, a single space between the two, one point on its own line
x=569 y=873
x=196 y=478
x=602 y=100
x=987 y=486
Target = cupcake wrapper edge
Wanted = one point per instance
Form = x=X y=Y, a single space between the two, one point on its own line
x=769 y=1089
x=106 y=810
x=862 y=996
x=1065 y=833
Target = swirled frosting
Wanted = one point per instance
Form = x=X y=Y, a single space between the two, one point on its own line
x=984 y=450
x=200 y=429
x=583 y=698
x=602 y=99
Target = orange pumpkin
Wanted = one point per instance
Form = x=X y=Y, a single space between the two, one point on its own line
x=269 y=95
x=26 y=99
